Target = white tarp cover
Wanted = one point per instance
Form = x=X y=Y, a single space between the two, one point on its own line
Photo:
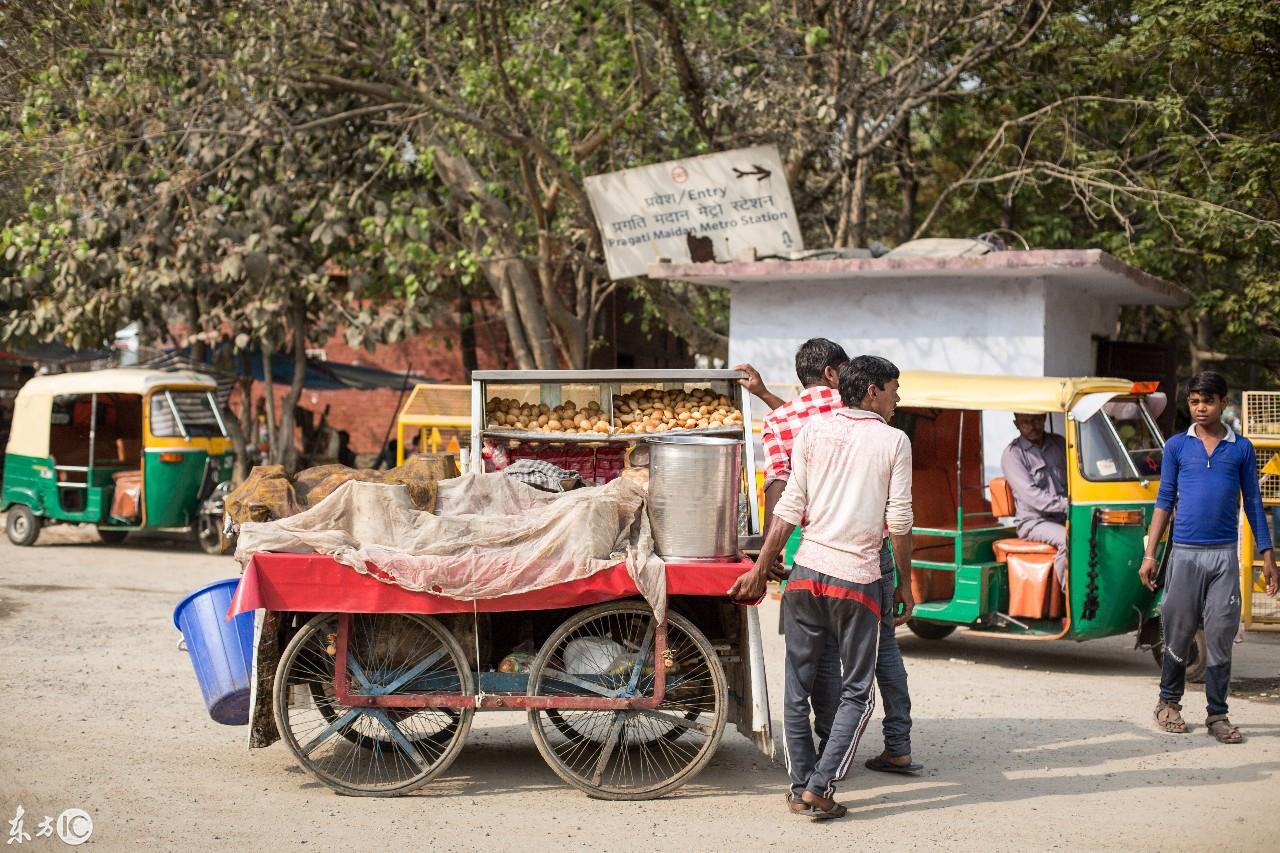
x=492 y=536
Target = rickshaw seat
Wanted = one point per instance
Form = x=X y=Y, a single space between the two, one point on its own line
x=1002 y=505
x=126 y=499
x=1005 y=547
x=1034 y=592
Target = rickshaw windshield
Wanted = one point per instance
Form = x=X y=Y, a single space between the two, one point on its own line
x=185 y=414
x=1120 y=442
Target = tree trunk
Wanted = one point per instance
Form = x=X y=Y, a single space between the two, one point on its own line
x=910 y=187
x=858 y=202
x=467 y=335
x=287 y=451
x=268 y=379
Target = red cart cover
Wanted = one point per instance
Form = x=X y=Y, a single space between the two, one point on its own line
x=312 y=583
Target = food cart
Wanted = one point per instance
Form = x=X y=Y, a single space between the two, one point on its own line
x=373 y=686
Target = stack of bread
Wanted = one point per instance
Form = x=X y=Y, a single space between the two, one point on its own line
x=653 y=410
x=539 y=417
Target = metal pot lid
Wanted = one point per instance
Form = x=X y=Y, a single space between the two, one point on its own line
x=705 y=440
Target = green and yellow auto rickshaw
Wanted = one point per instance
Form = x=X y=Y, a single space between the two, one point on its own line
x=970 y=569
x=122 y=449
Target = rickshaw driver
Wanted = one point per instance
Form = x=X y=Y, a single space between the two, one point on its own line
x=1035 y=467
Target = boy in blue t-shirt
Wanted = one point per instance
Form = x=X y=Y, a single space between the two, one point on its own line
x=1206 y=472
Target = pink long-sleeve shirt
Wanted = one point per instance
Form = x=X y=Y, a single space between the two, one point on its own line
x=850 y=477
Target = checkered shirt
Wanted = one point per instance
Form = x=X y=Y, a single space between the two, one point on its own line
x=783 y=424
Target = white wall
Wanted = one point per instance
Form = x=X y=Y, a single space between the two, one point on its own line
x=919 y=324
x=1072 y=319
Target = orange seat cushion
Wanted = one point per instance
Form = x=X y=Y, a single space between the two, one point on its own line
x=1034 y=592
x=1002 y=504
x=1005 y=547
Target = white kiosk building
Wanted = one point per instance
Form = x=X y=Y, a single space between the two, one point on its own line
x=1025 y=313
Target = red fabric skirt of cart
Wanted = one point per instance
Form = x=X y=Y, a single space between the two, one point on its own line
x=312 y=583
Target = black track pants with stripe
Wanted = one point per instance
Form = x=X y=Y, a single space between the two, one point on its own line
x=817 y=607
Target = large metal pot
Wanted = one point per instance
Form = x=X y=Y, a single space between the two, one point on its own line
x=694 y=483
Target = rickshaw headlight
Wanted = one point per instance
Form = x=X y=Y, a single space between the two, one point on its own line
x=1131 y=517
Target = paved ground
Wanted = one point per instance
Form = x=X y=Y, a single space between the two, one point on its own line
x=1029 y=747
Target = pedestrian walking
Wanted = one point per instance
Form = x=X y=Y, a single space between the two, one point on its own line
x=1205 y=474
x=818 y=362
x=850 y=477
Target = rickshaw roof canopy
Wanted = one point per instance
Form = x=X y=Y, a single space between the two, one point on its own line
x=33 y=407
x=1033 y=394
x=117 y=380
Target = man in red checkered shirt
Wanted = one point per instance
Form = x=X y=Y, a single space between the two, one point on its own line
x=817 y=367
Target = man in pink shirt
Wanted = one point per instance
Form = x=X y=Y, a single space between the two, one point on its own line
x=850 y=478
x=818 y=361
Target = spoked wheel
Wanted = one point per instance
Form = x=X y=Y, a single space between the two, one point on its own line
x=628 y=755
x=323 y=695
x=373 y=751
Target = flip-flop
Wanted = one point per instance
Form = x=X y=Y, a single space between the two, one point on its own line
x=878 y=763
x=833 y=811
x=805 y=809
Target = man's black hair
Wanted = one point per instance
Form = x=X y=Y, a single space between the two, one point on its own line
x=815 y=356
x=1207 y=382
x=858 y=375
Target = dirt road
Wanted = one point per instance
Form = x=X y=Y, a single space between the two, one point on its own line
x=1028 y=747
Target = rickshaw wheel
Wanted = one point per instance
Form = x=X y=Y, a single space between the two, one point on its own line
x=209 y=535
x=628 y=755
x=372 y=752
x=22 y=525
x=930 y=630
x=1197 y=657
x=112 y=537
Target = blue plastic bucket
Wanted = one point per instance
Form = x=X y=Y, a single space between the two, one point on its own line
x=221 y=649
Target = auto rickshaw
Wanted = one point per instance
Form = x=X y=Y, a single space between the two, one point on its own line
x=970 y=568
x=123 y=449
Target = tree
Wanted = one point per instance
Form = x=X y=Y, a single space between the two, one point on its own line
x=180 y=184
x=1149 y=129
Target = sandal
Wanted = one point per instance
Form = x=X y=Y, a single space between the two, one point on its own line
x=800 y=808
x=831 y=810
x=884 y=765
x=1169 y=718
x=1220 y=727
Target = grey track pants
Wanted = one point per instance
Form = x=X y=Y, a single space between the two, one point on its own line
x=818 y=607
x=1203 y=583
x=891 y=676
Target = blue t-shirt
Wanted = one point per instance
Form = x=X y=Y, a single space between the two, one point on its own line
x=1208 y=490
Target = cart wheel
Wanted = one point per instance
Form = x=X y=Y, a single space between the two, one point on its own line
x=112 y=537
x=1197 y=657
x=323 y=696
x=627 y=755
x=22 y=525
x=930 y=630
x=373 y=751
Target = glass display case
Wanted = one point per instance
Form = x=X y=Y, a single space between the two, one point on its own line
x=590 y=420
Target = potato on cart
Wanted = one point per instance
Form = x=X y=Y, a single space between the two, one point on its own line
x=628 y=662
